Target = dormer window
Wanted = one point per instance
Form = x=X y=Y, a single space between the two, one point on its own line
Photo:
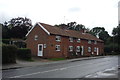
x=78 y=40
x=89 y=41
x=71 y=39
x=95 y=42
x=58 y=38
x=36 y=37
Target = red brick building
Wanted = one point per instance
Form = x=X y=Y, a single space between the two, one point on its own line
x=52 y=42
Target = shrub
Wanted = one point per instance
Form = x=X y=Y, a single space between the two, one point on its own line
x=24 y=53
x=18 y=43
x=6 y=41
x=8 y=54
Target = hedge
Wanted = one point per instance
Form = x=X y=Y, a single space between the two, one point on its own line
x=24 y=53
x=19 y=44
x=6 y=41
x=9 y=54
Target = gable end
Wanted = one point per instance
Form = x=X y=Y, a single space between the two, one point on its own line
x=39 y=26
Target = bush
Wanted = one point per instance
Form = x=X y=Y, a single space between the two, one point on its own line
x=6 y=41
x=111 y=49
x=8 y=54
x=24 y=53
x=18 y=43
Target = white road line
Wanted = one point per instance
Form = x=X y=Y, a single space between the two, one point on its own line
x=46 y=71
x=34 y=73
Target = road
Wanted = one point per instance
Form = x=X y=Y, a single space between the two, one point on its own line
x=72 y=69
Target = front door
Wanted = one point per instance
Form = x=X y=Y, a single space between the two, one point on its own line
x=40 y=49
x=97 y=51
x=82 y=48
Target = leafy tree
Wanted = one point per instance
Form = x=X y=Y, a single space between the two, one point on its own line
x=104 y=36
x=71 y=26
x=116 y=36
x=96 y=31
x=100 y=33
x=19 y=27
x=5 y=31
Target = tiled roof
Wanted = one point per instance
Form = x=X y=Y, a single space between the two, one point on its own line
x=69 y=33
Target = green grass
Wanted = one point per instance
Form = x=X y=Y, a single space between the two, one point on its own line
x=31 y=60
x=57 y=59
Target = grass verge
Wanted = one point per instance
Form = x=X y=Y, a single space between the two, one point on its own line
x=56 y=59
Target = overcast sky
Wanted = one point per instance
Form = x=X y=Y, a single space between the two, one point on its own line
x=91 y=13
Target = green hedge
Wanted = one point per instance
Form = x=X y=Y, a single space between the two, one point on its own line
x=24 y=53
x=19 y=44
x=6 y=41
x=8 y=54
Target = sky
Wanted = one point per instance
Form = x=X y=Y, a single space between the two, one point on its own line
x=91 y=13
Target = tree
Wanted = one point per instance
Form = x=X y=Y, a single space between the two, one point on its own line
x=96 y=31
x=71 y=26
x=104 y=36
x=5 y=31
x=116 y=36
x=100 y=33
x=19 y=27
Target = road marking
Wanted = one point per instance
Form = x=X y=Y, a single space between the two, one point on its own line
x=101 y=73
x=63 y=68
x=34 y=73
x=47 y=71
x=44 y=71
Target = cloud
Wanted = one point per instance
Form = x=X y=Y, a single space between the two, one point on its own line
x=74 y=9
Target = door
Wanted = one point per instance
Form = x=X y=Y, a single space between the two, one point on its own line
x=97 y=51
x=40 y=49
x=82 y=47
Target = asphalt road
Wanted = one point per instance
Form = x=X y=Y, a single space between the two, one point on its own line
x=74 y=69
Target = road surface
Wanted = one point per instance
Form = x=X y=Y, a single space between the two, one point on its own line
x=72 y=69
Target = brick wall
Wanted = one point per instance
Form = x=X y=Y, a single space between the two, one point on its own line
x=50 y=41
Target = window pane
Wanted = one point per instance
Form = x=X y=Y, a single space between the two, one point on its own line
x=40 y=48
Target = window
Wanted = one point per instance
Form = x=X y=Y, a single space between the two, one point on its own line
x=58 y=38
x=89 y=42
x=89 y=49
x=36 y=37
x=71 y=39
x=95 y=49
x=78 y=40
x=57 y=47
x=70 y=48
x=95 y=42
x=78 y=48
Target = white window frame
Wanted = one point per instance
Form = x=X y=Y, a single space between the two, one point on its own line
x=95 y=49
x=78 y=48
x=89 y=41
x=70 y=39
x=95 y=42
x=57 y=47
x=89 y=49
x=70 y=48
x=58 y=38
x=78 y=40
x=36 y=37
